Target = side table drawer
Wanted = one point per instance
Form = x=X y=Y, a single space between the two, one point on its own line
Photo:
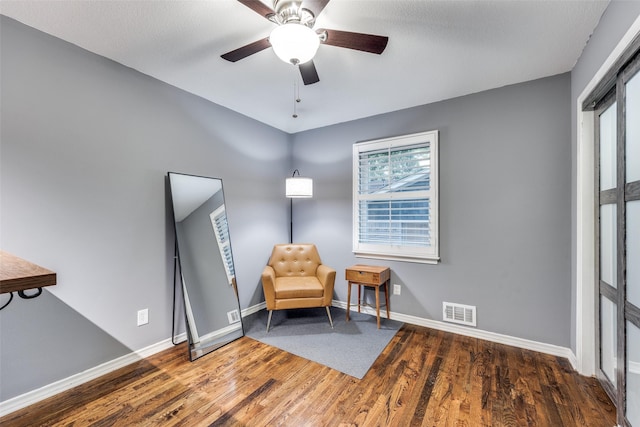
x=363 y=276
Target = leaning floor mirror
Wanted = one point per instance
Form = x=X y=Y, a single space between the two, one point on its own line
x=204 y=267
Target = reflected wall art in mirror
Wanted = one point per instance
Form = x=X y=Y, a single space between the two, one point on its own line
x=205 y=263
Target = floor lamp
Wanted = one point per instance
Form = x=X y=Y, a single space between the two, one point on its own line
x=297 y=187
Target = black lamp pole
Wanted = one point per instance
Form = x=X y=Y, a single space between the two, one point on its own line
x=291 y=220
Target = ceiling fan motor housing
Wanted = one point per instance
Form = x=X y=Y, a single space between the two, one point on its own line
x=290 y=11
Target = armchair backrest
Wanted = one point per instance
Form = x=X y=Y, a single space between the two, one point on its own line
x=295 y=259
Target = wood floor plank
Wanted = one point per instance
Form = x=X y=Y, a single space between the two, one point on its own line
x=424 y=377
x=460 y=413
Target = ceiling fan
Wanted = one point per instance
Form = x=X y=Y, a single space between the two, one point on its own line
x=295 y=41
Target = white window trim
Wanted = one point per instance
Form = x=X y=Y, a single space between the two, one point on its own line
x=429 y=255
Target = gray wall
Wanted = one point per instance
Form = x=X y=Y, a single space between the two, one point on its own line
x=505 y=206
x=615 y=22
x=43 y=340
x=86 y=146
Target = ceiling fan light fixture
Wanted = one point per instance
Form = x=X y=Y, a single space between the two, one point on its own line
x=294 y=43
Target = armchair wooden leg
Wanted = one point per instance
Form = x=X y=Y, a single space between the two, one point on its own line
x=269 y=319
x=329 y=314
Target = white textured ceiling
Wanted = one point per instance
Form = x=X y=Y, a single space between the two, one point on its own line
x=437 y=50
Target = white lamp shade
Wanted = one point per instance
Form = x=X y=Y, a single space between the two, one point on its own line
x=299 y=187
x=294 y=43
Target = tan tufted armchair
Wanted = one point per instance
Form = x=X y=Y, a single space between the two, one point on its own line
x=296 y=278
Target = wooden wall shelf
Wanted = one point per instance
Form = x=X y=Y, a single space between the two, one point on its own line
x=19 y=275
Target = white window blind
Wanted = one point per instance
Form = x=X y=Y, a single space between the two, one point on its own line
x=395 y=198
x=221 y=230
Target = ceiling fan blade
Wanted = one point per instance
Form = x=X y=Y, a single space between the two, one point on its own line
x=244 y=51
x=258 y=7
x=315 y=6
x=358 y=41
x=309 y=73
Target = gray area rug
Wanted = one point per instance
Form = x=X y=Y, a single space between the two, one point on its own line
x=350 y=347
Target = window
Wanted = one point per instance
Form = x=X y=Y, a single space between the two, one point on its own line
x=221 y=230
x=395 y=198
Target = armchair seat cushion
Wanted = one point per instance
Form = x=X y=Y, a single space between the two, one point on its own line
x=298 y=287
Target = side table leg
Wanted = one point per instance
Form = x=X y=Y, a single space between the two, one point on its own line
x=348 y=299
x=359 y=289
x=378 y=304
x=386 y=296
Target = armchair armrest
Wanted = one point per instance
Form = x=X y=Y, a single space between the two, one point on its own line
x=268 y=285
x=327 y=277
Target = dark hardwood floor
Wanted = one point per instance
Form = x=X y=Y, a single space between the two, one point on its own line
x=423 y=377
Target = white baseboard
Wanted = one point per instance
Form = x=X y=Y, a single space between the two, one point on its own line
x=551 y=349
x=34 y=396
x=254 y=309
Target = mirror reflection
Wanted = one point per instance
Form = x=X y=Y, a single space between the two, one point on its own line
x=205 y=263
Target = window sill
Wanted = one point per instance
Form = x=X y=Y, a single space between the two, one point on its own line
x=402 y=258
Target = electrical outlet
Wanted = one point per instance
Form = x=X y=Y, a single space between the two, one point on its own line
x=397 y=289
x=143 y=317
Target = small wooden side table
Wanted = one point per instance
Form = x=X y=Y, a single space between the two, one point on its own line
x=372 y=276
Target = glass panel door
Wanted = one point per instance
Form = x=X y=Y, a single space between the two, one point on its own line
x=608 y=339
x=618 y=242
x=632 y=140
x=608 y=239
x=633 y=252
x=633 y=374
x=632 y=154
x=608 y=138
x=632 y=243
x=607 y=246
x=607 y=167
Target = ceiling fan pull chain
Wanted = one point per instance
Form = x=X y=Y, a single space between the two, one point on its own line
x=296 y=96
